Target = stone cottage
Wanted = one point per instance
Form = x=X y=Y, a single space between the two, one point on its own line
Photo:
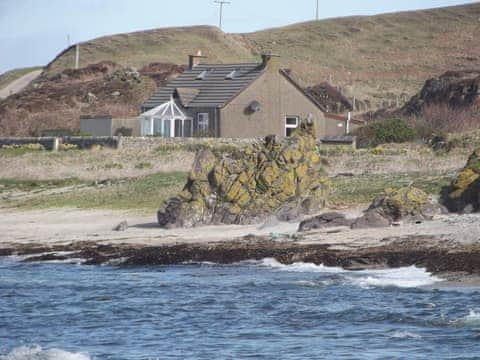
x=235 y=101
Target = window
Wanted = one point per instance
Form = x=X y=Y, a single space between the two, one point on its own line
x=233 y=75
x=202 y=123
x=291 y=123
x=202 y=75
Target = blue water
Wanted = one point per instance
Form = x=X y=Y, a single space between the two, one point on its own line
x=250 y=310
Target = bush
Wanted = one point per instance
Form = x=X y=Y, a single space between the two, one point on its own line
x=67 y=147
x=438 y=119
x=383 y=132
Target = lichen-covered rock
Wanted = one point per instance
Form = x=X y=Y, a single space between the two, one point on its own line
x=280 y=178
x=463 y=195
x=407 y=204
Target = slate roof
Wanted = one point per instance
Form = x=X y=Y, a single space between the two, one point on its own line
x=215 y=90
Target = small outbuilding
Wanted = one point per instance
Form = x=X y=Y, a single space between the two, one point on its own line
x=106 y=125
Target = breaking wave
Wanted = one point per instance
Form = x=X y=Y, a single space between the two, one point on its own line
x=472 y=319
x=37 y=353
x=405 y=335
x=406 y=277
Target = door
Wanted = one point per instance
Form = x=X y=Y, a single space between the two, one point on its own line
x=178 y=128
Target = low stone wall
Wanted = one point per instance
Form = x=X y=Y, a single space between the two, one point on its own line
x=149 y=142
x=140 y=143
x=49 y=143
x=53 y=143
x=89 y=142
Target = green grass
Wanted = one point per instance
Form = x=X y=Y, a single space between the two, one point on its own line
x=363 y=189
x=143 y=194
x=34 y=185
x=7 y=77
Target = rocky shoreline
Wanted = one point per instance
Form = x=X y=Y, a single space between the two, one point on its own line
x=436 y=255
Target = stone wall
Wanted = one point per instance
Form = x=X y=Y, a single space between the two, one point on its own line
x=53 y=143
x=49 y=143
x=113 y=142
x=149 y=142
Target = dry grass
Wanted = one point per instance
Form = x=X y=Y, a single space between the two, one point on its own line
x=438 y=119
x=92 y=165
x=377 y=58
x=396 y=159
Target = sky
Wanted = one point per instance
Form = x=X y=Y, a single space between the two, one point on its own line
x=33 y=32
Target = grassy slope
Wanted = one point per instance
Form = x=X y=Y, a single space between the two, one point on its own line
x=12 y=75
x=375 y=58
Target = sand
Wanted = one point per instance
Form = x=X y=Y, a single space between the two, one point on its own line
x=62 y=226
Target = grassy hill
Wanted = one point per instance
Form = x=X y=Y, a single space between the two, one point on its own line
x=376 y=58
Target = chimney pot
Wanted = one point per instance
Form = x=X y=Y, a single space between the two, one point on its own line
x=194 y=60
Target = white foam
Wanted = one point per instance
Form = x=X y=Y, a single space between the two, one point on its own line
x=472 y=319
x=405 y=277
x=35 y=352
x=298 y=266
x=405 y=335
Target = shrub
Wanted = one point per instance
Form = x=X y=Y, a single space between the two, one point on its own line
x=16 y=149
x=67 y=147
x=143 y=165
x=383 y=132
x=438 y=119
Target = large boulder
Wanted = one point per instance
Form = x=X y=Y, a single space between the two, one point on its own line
x=407 y=204
x=463 y=195
x=325 y=220
x=280 y=178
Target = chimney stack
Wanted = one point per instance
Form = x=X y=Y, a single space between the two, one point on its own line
x=194 y=60
x=270 y=60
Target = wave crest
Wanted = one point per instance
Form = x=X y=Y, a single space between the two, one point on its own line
x=406 y=277
x=37 y=353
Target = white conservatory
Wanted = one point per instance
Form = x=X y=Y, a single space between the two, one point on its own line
x=166 y=120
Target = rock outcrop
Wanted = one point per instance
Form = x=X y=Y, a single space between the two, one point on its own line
x=463 y=195
x=456 y=89
x=264 y=179
x=407 y=204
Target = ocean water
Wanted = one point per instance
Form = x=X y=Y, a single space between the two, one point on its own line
x=256 y=310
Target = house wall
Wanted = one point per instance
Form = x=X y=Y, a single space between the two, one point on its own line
x=192 y=112
x=278 y=97
x=96 y=126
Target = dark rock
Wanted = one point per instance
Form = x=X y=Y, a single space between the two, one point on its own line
x=454 y=89
x=330 y=219
x=122 y=226
x=463 y=195
x=371 y=219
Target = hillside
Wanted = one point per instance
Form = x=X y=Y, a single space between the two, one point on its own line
x=381 y=59
x=57 y=102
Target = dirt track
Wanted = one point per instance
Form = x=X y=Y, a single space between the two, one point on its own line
x=19 y=84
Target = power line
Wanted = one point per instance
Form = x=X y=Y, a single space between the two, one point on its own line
x=221 y=3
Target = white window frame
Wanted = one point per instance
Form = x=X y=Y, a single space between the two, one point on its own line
x=291 y=126
x=201 y=117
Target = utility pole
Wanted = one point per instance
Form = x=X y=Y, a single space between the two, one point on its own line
x=317 y=11
x=221 y=3
x=77 y=56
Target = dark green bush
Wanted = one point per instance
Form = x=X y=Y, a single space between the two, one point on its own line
x=385 y=131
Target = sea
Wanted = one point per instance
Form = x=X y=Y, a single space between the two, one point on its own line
x=250 y=310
